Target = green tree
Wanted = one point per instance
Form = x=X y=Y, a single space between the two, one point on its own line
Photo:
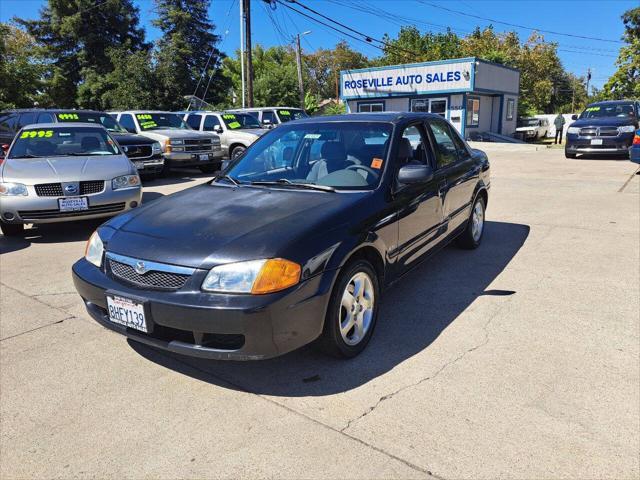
x=322 y=68
x=275 y=77
x=412 y=46
x=132 y=83
x=625 y=82
x=74 y=37
x=187 y=46
x=20 y=72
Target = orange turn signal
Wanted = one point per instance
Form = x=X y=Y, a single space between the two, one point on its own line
x=276 y=274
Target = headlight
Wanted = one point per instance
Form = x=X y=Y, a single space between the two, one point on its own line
x=174 y=141
x=627 y=129
x=573 y=130
x=125 y=181
x=94 y=250
x=12 y=189
x=156 y=148
x=256 y=276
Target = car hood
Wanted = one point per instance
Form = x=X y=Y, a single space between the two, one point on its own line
x=176 y=133
x=31 y=171
x=131 y=139
x=604 y=122
x=213 y=224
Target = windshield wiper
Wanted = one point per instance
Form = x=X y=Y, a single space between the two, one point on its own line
x=228 y=178
x=285 y=182
x=27 y=155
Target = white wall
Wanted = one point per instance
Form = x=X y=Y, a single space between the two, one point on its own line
x=552 y=128
x=495 y=77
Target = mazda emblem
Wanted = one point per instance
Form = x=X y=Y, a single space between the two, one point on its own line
x=140 y=267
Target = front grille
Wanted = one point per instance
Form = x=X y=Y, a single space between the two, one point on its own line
x=138 y=151
x=608 y=132
x=204 y=145
x=93 y=210
x=49 y=190
x=588 y=132
x=599 y=132
x=91 y=186
x=152 y=279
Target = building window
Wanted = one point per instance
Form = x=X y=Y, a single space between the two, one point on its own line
x=511 y=104
x=371 y=107
x=473 y=112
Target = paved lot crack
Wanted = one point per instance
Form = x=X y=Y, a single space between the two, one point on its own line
x=628 y=180
x=37 y=328
x=300 y=414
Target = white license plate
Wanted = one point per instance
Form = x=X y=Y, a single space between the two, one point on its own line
x=204 y=157
x=139 y=165
x=126 y=312
x=596 y=141
x=73 y=204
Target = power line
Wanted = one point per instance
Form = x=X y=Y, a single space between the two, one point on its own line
x=516 y=25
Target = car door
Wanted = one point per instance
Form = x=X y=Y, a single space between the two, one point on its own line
x=419 y=206
x=455 y=173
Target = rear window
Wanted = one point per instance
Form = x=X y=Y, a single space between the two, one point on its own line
x=620 y=110
x=62 y=142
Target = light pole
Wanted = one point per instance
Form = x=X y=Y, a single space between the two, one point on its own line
x=299 y=64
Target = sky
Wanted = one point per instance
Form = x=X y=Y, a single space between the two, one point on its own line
x=582 y=18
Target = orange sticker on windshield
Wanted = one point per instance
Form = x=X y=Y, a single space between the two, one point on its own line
x=376 y=163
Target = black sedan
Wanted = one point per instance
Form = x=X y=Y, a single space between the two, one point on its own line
x=294 y=242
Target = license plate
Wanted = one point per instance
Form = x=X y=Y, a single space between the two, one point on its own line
x=73 y=204
x=126 y=312
x=139 y=165
x=596 y=141
x=204 y=157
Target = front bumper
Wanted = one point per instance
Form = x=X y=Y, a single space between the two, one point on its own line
x=149 y=165
x=191 y=159
x=618 y=145
x=35 y=209
x=230 y=327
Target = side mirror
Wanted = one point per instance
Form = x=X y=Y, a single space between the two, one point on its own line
x=574 y=117
x=217 y=128
x=411 y=174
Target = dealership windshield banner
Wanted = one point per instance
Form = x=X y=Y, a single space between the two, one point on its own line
x=407 y=79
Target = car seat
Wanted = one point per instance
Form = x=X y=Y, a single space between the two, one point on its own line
x=333 y=157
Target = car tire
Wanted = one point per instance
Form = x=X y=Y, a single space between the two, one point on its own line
x=569 y=155
x=348 y=325
x=237 y=151
x=11 y=229
x=209 y=168
x=471 y=237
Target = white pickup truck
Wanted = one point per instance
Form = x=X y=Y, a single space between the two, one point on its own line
x=533 y=128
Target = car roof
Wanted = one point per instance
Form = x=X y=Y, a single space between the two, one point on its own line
x=52 y=110
x=613 y=102
x=391 y=117
x=255 y=109
x=144 y=111
x=42 y=126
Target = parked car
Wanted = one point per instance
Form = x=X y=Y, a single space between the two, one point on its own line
x=264 y=259
x=533 y=128
x=54 y=172
x=270 y=117
x=634 y=151
x=146 y=154
x=182 y=147
x=236 y=130
x=604 y=128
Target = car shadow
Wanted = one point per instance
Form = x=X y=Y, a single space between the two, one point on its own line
x=178 y=176
x=62 y=232
x=413 y=314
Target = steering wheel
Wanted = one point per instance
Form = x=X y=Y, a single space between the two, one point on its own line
x=365 y=168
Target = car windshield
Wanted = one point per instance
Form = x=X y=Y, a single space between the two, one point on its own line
x=157 y=121
x=623 y=110
x=97 y=118
x=238 y=121
x=327 y=155
x=290 y=114
x=529 y=122
x=62 y=142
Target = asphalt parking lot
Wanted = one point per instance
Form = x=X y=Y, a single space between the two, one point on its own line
x=517 y=360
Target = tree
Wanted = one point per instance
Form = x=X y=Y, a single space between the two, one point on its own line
x=412 y=46
x=322 y=68
x=19 y=71
x=132 y=83
x=625 y=82
x=186 y=50
x=275 y=77
x=74 y=38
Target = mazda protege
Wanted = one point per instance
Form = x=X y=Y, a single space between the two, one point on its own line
x=294 y=242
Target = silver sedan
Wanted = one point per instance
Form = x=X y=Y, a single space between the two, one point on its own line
x=58 y=172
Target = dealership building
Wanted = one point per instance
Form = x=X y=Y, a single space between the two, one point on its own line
x=473 y=94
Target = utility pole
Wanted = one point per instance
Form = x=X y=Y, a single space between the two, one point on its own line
x=299 y=64
x=241 y=3
x=247 y=28
x=588 y=80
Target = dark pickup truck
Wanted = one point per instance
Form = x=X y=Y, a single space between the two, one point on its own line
x=144 y=153
x=604 y=128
